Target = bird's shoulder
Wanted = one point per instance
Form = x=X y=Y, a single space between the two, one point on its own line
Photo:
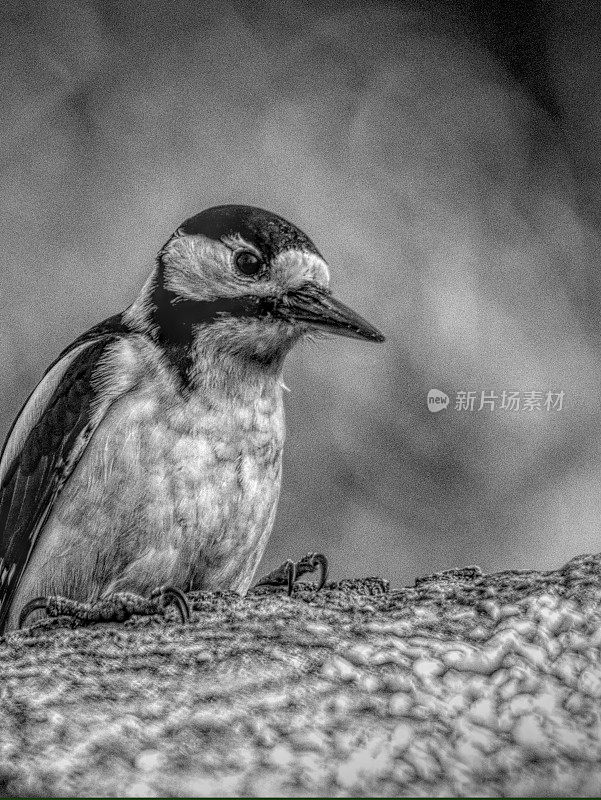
x=62 y=382
x=107 y=331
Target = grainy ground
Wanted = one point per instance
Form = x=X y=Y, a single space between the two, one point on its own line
x=467 y=684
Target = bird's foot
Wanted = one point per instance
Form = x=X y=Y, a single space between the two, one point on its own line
x=115 y=607
x=290 y=571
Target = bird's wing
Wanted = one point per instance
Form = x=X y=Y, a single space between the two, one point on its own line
x=44 y=445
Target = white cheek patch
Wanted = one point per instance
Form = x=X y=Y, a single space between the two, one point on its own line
x=292 y=268
x=197 y=267
x=118 y=371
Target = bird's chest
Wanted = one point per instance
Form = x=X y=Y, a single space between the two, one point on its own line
x=199 y=456
x=188 y=481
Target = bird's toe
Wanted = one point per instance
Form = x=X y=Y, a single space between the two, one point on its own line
x=288 y=573
x=54 y=606
x=113 y=607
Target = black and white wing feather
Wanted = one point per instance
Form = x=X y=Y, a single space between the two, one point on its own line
x=44 y=445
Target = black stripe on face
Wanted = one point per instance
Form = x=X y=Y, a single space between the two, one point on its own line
x=174 y=319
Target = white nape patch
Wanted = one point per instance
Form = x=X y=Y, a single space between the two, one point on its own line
x=118 y=371
x=292 y=268
x=34 y=408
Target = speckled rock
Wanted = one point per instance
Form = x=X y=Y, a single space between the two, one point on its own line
x=466 y=684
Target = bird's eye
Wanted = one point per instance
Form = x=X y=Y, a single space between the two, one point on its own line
x=248 y=263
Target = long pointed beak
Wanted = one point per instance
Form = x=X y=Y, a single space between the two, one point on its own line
x=316 y=307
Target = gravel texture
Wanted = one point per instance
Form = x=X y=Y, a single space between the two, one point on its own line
x=466 y=684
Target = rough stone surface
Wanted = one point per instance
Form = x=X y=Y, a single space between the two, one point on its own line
x=466 y=684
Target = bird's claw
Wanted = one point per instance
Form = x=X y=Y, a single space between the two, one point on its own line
x=38 y=603
x=290 y=571
x=117 y=607
x=176 y=596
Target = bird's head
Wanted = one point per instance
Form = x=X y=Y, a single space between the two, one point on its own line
x=244 y=283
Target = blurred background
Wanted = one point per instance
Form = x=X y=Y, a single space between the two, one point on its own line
x=444 y=158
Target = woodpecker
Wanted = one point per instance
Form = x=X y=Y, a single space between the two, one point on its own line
x=150 y=453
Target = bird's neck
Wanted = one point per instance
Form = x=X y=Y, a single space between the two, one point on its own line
x=222 y=373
